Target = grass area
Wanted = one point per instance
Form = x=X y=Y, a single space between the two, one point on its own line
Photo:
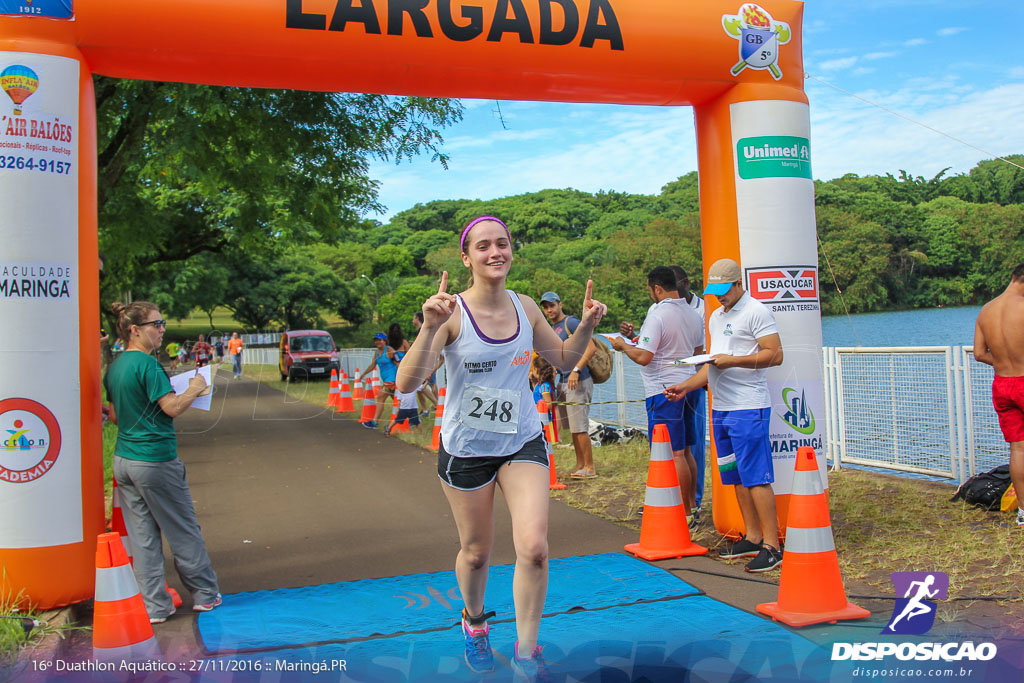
x=881 y=523
x=18 y=638
x=345 y=335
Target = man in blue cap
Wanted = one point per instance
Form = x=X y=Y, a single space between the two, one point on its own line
x=744 y=343
x=575 y=387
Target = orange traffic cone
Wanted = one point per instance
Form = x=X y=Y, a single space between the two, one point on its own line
x=117 y=525
x=545 y=421
x=369 y=406
x=332 y=396
x=435 y=441
x=344 y=403
x=357 y=391
x=664 y=532
x=811 y=587
x=121 y=631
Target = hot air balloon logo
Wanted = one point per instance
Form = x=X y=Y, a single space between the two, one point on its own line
x=19 y=82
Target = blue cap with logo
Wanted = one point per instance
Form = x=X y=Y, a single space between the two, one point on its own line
x=381 y=335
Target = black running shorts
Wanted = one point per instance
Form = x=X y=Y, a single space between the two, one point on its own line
x=469 y=474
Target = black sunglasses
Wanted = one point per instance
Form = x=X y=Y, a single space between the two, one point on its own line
x=159 y=323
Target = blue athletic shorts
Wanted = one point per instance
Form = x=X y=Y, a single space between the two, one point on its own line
x=660 y=410
x=691 y=402
x=744 y=450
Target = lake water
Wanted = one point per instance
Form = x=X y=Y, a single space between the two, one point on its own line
x=923 y=327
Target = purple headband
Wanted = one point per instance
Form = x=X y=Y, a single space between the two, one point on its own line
x=462 y=240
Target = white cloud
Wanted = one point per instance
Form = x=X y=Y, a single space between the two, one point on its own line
x=850 y=136
x=914 y=42
x=836 y=64
x=880 y=55
x=951 y=31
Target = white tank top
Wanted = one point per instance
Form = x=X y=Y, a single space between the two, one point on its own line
x=489 y=409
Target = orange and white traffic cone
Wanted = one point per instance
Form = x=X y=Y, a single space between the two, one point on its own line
x=345 y=404
x=545 y=421
x=811 y=586
x=332 y=395
x=664 y=532
x=357 y=391
x=369 y=406
x=117 y=525
x=121 y=631
x=435 y=441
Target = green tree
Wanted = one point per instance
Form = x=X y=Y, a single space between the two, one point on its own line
x=186 y=169
x=393 y=260
x=419 y=244
x=400 y=305
x=200 y=282
x=854 y=257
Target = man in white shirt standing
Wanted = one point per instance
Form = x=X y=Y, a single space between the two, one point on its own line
x=744 y=342
x=672 y=331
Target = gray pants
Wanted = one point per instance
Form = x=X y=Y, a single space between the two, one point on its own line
x=236 y=364
x=155 y=499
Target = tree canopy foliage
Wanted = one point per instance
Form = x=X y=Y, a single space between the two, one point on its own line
x=252 y=200
x=247 y=177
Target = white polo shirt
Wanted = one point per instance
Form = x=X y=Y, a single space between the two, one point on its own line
x=736 y=333
x=671 y=331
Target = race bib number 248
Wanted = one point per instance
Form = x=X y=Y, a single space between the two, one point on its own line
x=490 y=410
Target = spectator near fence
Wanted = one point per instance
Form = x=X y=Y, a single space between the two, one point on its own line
x=695 y=402
x=672 y=331
x=744 y=344
x=575 y=387
x=999 y=342
x=235 y=347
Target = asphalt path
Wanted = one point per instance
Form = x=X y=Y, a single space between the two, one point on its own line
x=291 y=494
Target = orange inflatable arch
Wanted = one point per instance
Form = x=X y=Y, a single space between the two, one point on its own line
x=738 y=64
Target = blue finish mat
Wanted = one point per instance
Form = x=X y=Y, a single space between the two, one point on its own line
x=661 y=641
x=291 y=617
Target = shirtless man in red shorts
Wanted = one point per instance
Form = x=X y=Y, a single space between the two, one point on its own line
x=999 y=342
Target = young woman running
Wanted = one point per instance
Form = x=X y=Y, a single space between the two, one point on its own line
x=491 y=434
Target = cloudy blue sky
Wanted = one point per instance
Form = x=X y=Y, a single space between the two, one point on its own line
x=953 y=66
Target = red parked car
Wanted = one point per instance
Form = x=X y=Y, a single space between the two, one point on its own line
x=308 y=354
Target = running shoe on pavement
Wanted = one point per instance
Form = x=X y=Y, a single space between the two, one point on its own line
x=478 y=646
x=769 y=558
x=741 y=548
x=369 y=425
x=208 y=606
x=531 y=670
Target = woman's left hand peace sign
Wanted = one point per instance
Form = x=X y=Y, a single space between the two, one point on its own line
x=593 y=310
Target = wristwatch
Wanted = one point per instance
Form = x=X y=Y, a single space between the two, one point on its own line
x=576 y=370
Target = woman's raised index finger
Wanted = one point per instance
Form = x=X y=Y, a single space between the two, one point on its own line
x=590 y=290
x=443 y=287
